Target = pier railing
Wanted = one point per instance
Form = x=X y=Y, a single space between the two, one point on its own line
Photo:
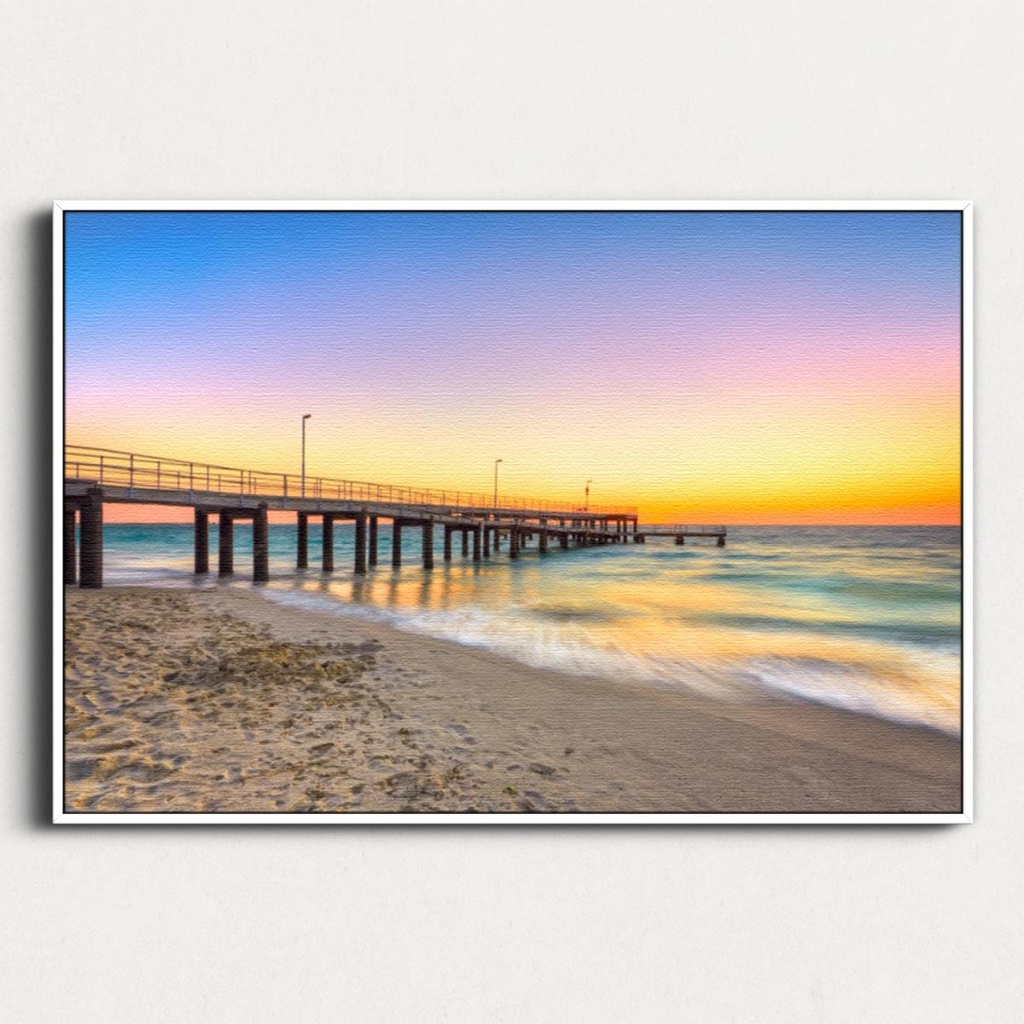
x=156 y=474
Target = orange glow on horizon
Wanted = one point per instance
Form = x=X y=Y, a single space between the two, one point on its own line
x=944 y=514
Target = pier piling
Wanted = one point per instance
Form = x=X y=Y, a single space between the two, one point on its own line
x=260 y=545
x=91 y=540
x=428 y=544
x=396 y=543
x=328 y=543
x=225 y=544
x=360 y=566
x=373 y=540
x=70 y=554
x=201 y=542
x=302 y=540
x=448 y=543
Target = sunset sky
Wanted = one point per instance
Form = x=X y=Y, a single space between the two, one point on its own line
x=727 y=367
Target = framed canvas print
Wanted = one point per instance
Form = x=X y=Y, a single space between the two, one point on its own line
x=512 y=512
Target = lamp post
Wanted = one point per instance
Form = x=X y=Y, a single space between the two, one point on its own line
x=586 y=507
x=307 y=416
x=496 y=461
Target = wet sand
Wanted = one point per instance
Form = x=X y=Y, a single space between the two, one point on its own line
x=221 y=701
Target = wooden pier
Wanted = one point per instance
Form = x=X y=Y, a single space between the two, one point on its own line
x=94 y=477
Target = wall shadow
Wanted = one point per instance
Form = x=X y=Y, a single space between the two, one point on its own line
x=38 y=230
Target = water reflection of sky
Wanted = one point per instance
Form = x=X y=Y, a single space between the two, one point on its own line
x=860 y=617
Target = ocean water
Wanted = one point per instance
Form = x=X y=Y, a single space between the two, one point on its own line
x=865 y=618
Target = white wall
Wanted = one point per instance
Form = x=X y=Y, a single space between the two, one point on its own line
x=528 y=100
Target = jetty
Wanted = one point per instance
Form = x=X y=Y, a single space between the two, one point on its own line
x=482 y=522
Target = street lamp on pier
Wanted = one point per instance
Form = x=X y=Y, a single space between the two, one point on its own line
x=305 y=417
x=586 y=507
x=496 y=461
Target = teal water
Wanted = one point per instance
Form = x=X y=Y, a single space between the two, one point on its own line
x=866 y=618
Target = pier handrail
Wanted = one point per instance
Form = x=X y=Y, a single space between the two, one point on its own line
x=155 y=474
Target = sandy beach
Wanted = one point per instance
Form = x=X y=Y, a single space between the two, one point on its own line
x=221 y=701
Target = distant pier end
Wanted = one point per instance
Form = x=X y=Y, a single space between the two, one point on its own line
x=680 y=533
